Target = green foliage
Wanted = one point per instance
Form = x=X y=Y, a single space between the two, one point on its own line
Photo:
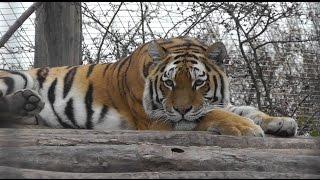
x=308 y=125
x=315 y=133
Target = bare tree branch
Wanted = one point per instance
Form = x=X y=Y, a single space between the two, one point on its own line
x=285 y=41
x=105 y=34
x=142 y=23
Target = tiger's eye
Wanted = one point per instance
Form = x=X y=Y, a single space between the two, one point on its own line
x=198 y=82
x=169 y=83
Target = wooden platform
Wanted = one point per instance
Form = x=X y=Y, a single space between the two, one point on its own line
x=65 y=153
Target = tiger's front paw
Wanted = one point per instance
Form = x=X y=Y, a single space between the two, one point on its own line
x=237 y=129
x=227 y=123
x=281 y=126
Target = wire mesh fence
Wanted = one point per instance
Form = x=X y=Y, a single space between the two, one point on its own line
x=273 y=48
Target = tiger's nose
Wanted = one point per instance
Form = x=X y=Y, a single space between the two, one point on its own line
x=183 y=110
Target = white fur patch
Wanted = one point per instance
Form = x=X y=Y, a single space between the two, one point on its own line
x=3 y=87
x=18 y=83
x=111 y=121
x=184 y=126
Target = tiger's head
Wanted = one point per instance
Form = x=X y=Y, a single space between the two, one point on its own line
x=186 y=81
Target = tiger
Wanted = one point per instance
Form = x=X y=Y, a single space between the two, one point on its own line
x=175 y=84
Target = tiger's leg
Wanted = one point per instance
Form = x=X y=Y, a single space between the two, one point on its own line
x=226 y=123
x=280 y=126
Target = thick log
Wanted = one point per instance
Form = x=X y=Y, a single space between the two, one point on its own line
x=71 y=137
x=16 y=173
x=157 y=157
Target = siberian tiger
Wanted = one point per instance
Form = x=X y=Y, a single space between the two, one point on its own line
x=165 y=84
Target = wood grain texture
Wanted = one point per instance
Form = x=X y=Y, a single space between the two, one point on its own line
x=12 y=173
x=72 y=137
x=69 y=153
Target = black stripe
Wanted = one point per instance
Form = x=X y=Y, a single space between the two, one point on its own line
x=161 y=89
x=88 y=102
x=153 y=106
x=90 y=69
x=51 y=91
x=121 y=63
x=105 y=69
x=103 y=113
x=42 y=74
x=150 y=89
x=222 y=87
x=146 y=69
x=69 y=112
x=155 y=89
x=52 y=98
x=162 y=68
x=165 y=42
x=23 y=77
x=193 y=62
x=215 y=88
x=192 y=55
x=127 y=89
x=188 y=41
x=20 y=74
x=206 y=66
x=9 y=83
x=187 y=45
x=113 y=67
x=120 y=84
x=203 y=74
x=180 y=55
x=187 y=55
x=68 y=81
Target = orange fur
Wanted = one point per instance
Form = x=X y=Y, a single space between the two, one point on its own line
x=120 y=86
x=226 y=123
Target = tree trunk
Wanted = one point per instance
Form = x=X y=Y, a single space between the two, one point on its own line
x=58 y=34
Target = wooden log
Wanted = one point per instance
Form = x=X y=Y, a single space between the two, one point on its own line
x=72 y=137
x=157 y=157
x=16 y=173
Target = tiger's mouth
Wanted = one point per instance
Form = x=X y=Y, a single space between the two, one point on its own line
x=189 y=117
x=196 y=120
x=185 y=125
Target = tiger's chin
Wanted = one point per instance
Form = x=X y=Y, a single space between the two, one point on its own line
x=184 y=125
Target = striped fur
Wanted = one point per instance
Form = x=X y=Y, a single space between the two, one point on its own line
x=173 y=84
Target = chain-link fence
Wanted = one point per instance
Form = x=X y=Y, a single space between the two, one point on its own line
x=273 y=47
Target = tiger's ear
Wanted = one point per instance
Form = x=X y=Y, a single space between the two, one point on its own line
x=217 y=52
x=156 y=52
